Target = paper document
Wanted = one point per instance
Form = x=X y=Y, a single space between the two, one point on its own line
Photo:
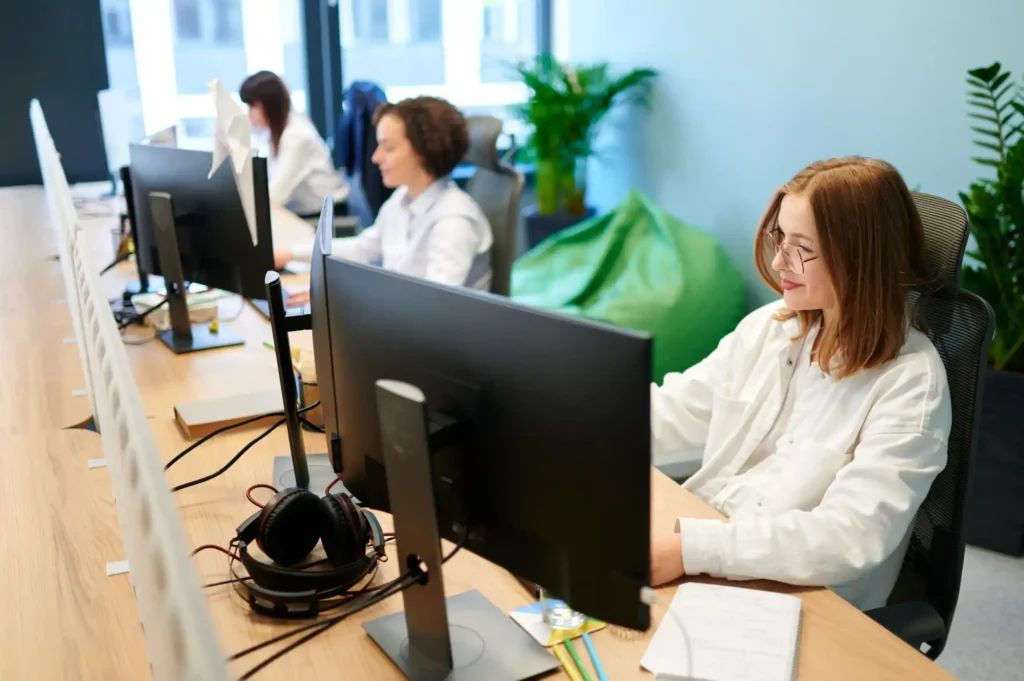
x=233 y=141
x=723 y=633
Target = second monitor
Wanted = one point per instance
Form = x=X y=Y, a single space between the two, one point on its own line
x=195 y=226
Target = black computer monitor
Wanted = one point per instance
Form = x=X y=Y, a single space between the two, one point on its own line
x=538 y=437
x=195 y=226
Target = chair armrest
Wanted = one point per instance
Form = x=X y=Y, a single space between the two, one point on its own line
x=916 y=622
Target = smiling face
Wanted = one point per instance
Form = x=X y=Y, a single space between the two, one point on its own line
x=805 y=280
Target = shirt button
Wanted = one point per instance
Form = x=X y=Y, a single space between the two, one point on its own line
x=789 y=362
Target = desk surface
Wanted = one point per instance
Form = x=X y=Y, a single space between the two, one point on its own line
x=837 y=641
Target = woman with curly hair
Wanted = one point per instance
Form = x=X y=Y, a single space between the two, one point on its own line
x=429 y=228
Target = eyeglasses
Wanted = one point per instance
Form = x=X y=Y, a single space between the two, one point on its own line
x=793 y=255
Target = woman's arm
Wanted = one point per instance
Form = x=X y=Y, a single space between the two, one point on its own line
x=450 y=250
x=364 y=247
x=681 y=406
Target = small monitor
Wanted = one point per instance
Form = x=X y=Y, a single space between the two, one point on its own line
x=168 y=137
x=209 y=238
x=537 y=434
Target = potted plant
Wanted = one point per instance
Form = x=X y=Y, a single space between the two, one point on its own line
x=994 y=269
x=565 y=108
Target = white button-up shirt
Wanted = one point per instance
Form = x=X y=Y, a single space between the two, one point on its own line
x=442 y=236
x=302 y=173
x=820 y=479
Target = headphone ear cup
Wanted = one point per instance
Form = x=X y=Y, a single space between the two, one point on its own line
x=342 y=530
x=289 y=529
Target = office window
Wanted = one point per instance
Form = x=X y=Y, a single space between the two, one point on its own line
x=177 y=46
x=458 y=49
x=227 y=21
x=187 y=25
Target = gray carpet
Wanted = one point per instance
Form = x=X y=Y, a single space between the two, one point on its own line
x=987 y=640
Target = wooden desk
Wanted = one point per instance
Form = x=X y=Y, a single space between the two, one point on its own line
x=837 y=641
x=63 y=617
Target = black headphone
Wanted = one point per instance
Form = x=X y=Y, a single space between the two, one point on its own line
x=287 y=530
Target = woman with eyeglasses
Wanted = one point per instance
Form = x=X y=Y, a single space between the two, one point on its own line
x=823 y=419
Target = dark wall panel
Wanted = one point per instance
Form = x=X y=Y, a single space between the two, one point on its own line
x=51 y=50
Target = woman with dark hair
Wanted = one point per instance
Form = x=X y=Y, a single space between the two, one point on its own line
x=300 y=169
x=429 y=228
x=824 y=418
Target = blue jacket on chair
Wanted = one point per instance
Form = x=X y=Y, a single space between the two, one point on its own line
x=355 y=142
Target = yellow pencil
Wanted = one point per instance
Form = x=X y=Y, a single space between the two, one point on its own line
x=570 y=667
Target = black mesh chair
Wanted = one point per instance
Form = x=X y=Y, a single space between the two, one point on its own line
x=960 y=324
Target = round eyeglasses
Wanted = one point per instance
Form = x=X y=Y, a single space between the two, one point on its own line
x=793 y=255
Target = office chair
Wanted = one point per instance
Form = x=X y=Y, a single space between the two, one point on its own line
x=960 y=324
x=496 y=187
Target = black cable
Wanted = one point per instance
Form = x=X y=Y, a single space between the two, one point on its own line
x=311 y=426
x=220 y=430
x=310 y=407
x=117 y=261
x=323 y=625
x=230 y=463
x=139 y=317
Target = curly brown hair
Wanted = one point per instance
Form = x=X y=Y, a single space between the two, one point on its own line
x=435 y=129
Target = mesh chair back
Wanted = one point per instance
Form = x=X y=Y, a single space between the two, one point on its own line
x=960 y=324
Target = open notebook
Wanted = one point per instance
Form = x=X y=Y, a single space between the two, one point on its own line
x=725 y=633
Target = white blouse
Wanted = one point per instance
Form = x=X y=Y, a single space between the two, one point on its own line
x=819 y=479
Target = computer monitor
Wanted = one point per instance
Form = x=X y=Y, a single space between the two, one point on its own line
x=195 y=227
x=538 y=439
x=167 y=137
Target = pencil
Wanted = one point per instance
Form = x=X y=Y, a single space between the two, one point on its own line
x=568 y=665
x=601 y=676
x=576 y=658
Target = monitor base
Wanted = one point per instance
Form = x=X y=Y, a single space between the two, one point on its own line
x=202 y=339
x=321 y=474
x=486 y=644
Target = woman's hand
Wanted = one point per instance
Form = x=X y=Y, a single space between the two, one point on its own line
x=282 y=256
x=666 y=558
x=297 y=297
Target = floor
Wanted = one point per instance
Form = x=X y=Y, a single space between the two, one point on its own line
x=987 y=640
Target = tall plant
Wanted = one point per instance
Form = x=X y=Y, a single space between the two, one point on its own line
x=565 y=108
x=995 y=206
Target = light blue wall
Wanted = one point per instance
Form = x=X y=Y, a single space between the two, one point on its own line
x=752 y=90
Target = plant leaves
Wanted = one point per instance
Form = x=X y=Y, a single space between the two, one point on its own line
x=985 y=131
x=990 y=119
x=986 y=73
x=998 y=82
x=986 y=161
x=988 y=145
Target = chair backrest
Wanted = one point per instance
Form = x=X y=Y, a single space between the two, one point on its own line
x=496 y=187
x=960 y=324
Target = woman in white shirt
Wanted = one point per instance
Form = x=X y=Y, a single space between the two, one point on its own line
x=301 y=172
x=428 y=228
x=823 y=419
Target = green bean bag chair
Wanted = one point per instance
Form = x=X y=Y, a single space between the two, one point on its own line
x=639 y=268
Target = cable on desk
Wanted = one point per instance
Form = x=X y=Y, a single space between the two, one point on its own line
x=310 y=407
x=230 y=463
x=331 y=486
x=310 y=425
x=220 y=430
x=117 y=261
x=208 y=547
x=319 y=627
x=140 y=317
x=260 y=485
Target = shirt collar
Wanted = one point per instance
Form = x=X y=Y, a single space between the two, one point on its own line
x=424 y=202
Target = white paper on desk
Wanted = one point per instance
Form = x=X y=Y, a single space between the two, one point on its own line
x=233 y=140
x=724 y=633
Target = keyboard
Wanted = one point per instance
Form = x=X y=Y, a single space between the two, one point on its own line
x=264 y=307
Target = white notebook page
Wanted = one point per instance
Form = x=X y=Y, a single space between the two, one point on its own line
x=724 y=633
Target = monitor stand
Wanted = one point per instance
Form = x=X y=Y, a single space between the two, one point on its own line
x=313 y=472
x=460 y=638
x=183 y=336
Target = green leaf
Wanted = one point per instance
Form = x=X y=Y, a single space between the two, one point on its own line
x=988 y=145
x=986 y=161
x=986 y=73
x=990 y=119
x=998 y=82
x=999 y=95
x=981 y=85
x=984 y=131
